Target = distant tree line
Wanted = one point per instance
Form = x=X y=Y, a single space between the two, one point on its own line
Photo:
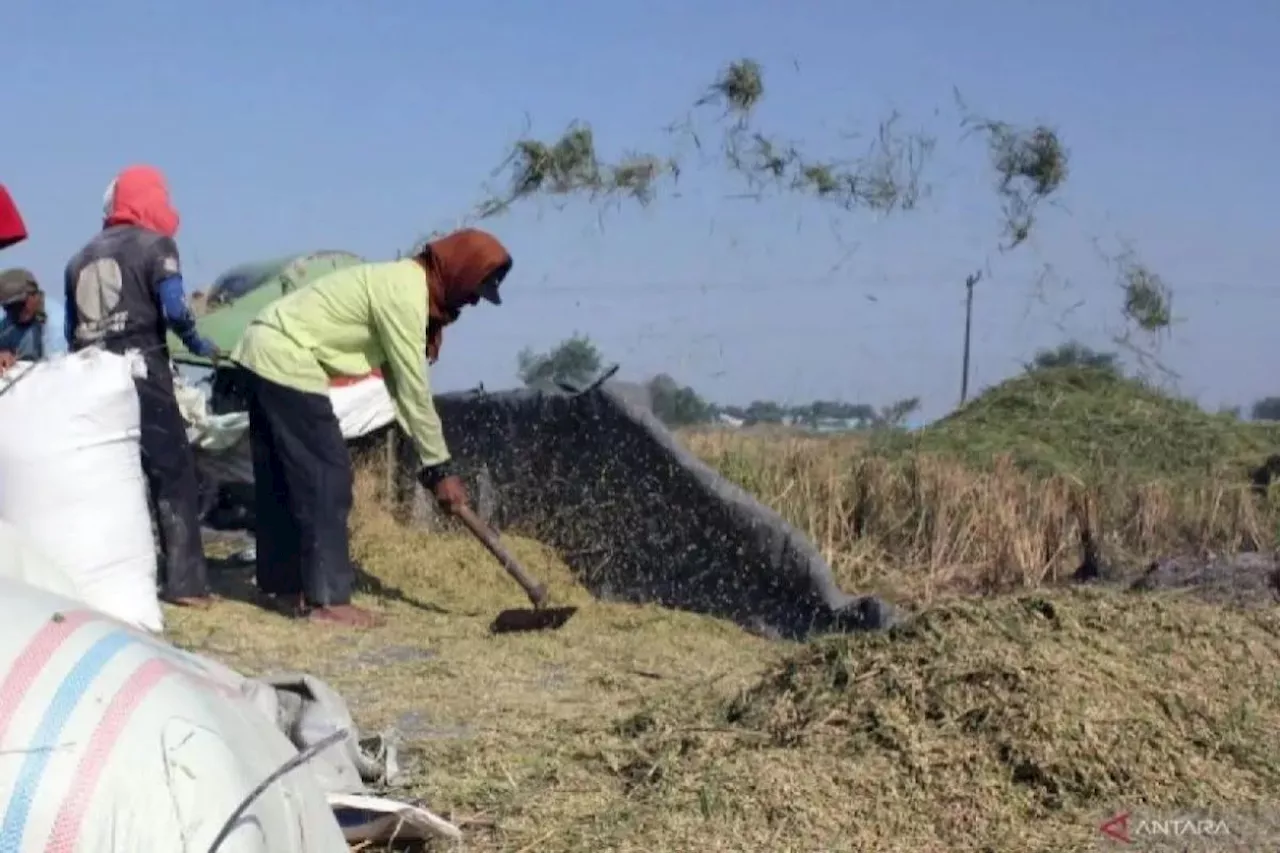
x=1266 y=409
x=577 y=361
x=830 y=414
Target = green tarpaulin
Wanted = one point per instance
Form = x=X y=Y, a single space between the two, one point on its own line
x=237 y=295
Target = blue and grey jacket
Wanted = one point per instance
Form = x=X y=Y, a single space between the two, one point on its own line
x=26 y=341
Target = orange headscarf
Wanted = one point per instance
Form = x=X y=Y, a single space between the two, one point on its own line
x=140 y=196
x=457 y=265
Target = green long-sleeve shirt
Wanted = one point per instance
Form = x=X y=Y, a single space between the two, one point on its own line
x=349 y=323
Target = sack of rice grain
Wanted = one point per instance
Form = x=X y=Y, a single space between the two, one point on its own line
x=71 y=478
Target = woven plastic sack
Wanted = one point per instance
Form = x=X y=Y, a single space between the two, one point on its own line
x=112 y=741
x=71 y=478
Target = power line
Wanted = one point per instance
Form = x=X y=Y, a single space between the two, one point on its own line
x=1206 y=288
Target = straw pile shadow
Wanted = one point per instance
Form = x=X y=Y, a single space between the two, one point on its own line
x=638 y=517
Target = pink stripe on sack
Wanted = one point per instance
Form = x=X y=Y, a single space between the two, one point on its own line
x=65 y=834
x=24 y=671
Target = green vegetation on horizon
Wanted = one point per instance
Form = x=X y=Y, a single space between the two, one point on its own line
x=1073 y=412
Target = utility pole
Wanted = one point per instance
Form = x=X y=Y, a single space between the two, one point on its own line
x=968 y=331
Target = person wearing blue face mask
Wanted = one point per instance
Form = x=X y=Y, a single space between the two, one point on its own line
x=22 y=326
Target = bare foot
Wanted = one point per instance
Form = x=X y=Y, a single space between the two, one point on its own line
x=345 y=614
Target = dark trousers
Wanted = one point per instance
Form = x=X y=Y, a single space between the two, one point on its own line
x=169 y=466
x=302 y=482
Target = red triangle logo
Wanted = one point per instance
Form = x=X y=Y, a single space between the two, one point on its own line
x=1117 y=828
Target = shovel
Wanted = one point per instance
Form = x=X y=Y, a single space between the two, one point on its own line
x=538 y=618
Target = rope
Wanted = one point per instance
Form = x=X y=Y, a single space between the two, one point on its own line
x=292 y=764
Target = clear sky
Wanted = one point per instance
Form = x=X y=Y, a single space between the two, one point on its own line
x=286 y=125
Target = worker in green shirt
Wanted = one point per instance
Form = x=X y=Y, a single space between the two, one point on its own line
x=350 y=322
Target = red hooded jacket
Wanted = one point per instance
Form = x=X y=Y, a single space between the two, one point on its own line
x=12 y=229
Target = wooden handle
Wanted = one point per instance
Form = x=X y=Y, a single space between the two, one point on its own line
x=537 y=592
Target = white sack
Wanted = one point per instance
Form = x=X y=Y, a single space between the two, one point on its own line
x=71 y=477
x=20 y=561
x=221 y=442
x=365 y=819
x=362 y=407
x=113 y=741
x=205 y=430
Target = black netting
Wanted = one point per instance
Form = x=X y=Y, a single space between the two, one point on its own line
x=637 y=516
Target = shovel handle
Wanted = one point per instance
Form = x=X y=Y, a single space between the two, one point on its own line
x=537 y=592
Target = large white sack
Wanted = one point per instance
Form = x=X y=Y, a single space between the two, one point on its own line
x=71 y=477
x=112 y=741
x=21 y=561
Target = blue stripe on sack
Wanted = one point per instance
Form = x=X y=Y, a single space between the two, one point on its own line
x=70 y=692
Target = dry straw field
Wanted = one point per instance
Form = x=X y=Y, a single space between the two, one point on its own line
x=1012 y=713
x=996 y=497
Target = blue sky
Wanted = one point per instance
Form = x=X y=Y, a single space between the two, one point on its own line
x=290 y=126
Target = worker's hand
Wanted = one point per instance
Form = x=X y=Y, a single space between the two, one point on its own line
x=7 y=360
x=205 y=348
x=451 y=493
x=448 y=488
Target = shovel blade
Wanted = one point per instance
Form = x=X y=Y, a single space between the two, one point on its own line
x=530 y=619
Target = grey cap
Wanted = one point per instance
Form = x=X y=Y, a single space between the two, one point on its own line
x=16 y=285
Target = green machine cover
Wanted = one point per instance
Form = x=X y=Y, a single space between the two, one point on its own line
x=237 y=296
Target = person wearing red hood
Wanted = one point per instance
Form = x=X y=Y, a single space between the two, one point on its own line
x=350 y=322
x=22 y=326
x=124 y=290
x=12 y=229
